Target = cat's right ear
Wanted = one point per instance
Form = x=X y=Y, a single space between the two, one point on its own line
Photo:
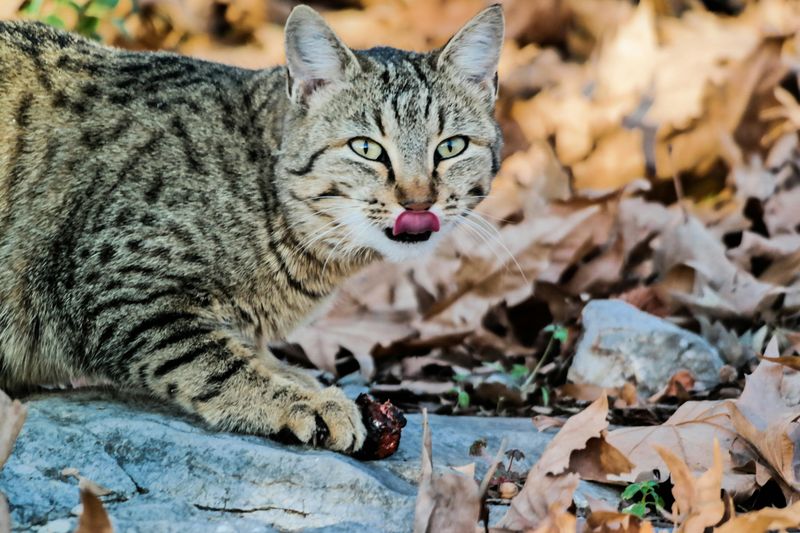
x=315 y=56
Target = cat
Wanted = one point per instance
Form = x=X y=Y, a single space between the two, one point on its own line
x=162 y=218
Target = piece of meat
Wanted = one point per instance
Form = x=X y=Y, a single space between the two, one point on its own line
x=384 y=422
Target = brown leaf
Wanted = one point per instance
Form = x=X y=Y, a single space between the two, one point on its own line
x=575 y=435
x=614 y=522
x=679 y=386
x=599 y=460
x=720 y=288
x=689 y=432
x=12 y=416
x=790 y=361
x=94 y=518
x=448 y=502
x=763 y=520
x=86 y=484
x=548 y=489
x=698 y=503
x=544 y=422
x=5 y=516
x=763 y=418
x=543 y=498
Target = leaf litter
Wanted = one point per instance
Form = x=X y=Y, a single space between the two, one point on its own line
x=651 y=156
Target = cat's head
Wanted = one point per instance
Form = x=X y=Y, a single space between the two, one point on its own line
x=386 y=149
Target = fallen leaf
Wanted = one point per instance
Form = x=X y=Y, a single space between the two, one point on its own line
x=5 y=516
x=544 y=422
x=548 y=489
x=614 y=522
x=698 y=503
x=762 y=417
x=449 y=502
x=12 y=416
x=689 y=432
x=86 y=484
x=763 y=520
x=94 y=518
x=680 y=383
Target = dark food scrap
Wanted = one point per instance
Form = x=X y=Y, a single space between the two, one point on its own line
x=384 y=422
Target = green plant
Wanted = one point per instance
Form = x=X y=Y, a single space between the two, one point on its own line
x=462 y=397
x=647 y=496
x=89 y=14
x=557 y=333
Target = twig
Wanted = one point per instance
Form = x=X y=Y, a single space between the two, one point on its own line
x=677 y=183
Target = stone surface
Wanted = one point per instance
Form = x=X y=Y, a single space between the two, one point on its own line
x=621 y=343
x=170 y=474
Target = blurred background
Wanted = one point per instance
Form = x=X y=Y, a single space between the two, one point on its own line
x=651 y=157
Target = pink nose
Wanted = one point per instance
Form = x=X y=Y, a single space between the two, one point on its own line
x=415 y=222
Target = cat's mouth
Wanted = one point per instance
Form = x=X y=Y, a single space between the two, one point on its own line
x=408 y=237
x=413 y=226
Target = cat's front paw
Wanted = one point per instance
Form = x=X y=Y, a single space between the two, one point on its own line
x=328 y=419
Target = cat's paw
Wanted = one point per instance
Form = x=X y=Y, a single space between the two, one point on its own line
x=328 y=419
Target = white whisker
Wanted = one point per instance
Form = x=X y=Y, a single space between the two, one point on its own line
x=478 y=222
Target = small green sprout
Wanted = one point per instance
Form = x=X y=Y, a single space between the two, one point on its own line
x=560 y=333
x=462 y=397
x=646 y=493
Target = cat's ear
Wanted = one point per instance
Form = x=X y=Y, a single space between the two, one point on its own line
x=315 y=56
x=474 y=52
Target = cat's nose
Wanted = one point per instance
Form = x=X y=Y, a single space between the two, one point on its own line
x=417 y=206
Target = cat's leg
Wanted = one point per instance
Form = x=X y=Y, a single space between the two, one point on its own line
x=229 y=386
x=292 y=372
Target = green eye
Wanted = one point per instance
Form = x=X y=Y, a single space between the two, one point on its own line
x=366 y=148
x=451 y=147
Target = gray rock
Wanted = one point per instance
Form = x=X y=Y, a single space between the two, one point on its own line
x=170 y=474
x=621 y=343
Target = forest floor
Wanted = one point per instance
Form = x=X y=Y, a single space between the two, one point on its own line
x=632 y=281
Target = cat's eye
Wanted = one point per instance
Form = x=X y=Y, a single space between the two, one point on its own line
x=451 y=147
x=366 y=148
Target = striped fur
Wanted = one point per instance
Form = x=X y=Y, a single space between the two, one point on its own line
x=162 y=218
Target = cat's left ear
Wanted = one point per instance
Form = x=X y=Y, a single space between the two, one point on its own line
x=315 y=56
x=474 y=52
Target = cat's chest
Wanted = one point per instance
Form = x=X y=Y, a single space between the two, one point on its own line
x=262 y=317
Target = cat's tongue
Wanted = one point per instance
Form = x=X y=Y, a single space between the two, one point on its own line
x=415 y=222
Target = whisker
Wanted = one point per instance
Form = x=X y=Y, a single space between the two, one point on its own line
x=483 y=239
x=333 y=251
x=485 y=225
x=334 y=224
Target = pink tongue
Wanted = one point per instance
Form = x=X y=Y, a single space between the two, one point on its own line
x=415 y=222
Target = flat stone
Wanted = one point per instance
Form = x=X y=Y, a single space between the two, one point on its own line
x=620 y=344
x=168 y=473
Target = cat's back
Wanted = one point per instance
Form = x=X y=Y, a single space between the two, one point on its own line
x=70 y=108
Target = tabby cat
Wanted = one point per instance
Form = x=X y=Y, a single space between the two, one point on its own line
x=162 y=218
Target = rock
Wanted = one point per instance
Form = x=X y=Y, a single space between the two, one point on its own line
x=168 y=473
x=621 y=343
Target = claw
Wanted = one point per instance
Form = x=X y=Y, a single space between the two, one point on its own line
x=322 y=432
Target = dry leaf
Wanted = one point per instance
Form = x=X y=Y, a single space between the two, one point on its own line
x=12 y=416
x=541 y=501
x=548 y=489
x=720 y=288
x=94 y=518
x=763 y=520
x=698 y=502
x=448 y=502
x=5 y=516
x=689 y=432
x=762 y=417
x=544 y=422
x=86 y=484
x=614 y=522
